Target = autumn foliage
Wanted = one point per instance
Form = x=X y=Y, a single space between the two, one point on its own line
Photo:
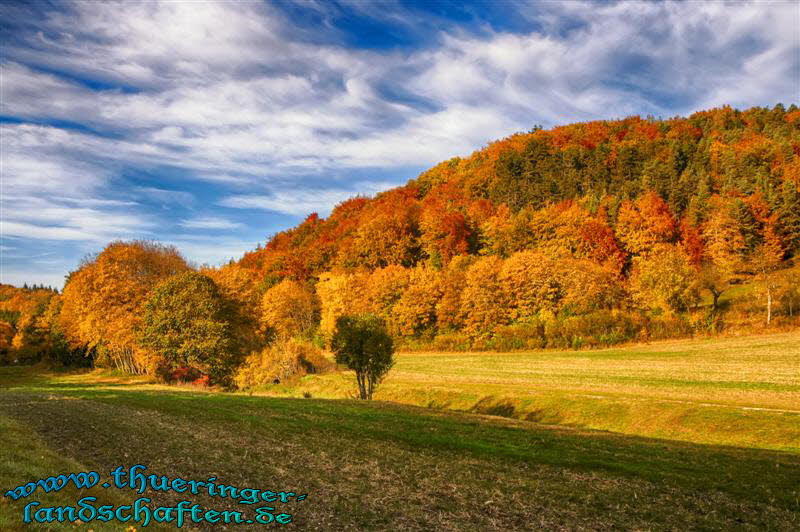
x=584 y=234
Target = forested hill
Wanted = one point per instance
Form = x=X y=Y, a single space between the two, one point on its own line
x=588 y=234
x=607 y=190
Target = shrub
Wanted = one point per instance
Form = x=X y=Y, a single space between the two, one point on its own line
x=600 y=328
x=172 y=374
x=662 y=327
x=451 y=341
x=284 y=360
x=528 y=335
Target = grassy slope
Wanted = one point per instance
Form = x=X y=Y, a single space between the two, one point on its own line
x=732 y=391
x=383 y=466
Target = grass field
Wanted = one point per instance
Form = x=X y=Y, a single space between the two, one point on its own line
x=384 y=466
x=388 y=466
x=731 y=391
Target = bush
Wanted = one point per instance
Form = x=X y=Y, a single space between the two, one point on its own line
x=170 y=374
x=284 y=360
x=663 y=327
x=528 y=335
x=601 y=328
x=452 y=341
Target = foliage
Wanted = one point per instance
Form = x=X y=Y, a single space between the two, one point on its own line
x=664 y=279
x=103 y=301
x=187 y=322
x=483 y=305
x=285 y=359
x=414 y=314
x=518 y=244
x=289 y=309
x=340 y=294
x=363 y=345
x=645 y=223
x=25 y=323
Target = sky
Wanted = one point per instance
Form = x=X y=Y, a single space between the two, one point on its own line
x=213 y=125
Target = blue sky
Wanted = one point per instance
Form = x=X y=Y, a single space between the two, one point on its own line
x=212 y=125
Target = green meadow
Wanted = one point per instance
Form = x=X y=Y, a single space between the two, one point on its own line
x=742 y=391
x=695 y=435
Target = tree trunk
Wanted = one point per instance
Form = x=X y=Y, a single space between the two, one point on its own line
x=362 y=389
x=769 y=306
x=370 y=388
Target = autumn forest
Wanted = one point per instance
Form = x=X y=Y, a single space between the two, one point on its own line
x=584 y=235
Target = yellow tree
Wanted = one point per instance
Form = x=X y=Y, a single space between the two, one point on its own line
x=531 y=281
x=103 y=300
x=237 y=284
x=289 y=309
x=415 y=311
x=665 y=279
x=506 y=232
x=589 y=286
x=725 y=245
x=340 y=294
x=451 y=284
x=384 y=288
x=239 y=288
x=724 y=249
x=483 y=302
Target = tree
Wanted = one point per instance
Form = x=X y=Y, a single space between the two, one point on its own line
x=415 y=311
x=387 y=233
x=451 y=284
x=790 y=292
x=383 y=289
x=363 y=345
x=340 y=294
x=483 y=300
x=531 y=281
x=289 y=309
x=725 y=244
x=665 y=279
x=645 y=223
x=103 y=299
x=187 y=321
x=765 y=260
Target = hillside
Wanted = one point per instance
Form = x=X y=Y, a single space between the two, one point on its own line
x=744 y=163
x=499 y=248
x=585 y=235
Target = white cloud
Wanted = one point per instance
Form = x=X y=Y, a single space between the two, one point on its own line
x=209 y=222
x=162 y=195
x=301 y=201
x=229 y=95
x=49 y=219
x=237 y=97
x=212 y=251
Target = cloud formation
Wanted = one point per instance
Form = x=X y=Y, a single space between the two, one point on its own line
x=175 y=120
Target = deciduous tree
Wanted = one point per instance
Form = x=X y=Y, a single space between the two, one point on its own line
x=363 y=345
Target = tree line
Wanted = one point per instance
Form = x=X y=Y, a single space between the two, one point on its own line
x=587 y=234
